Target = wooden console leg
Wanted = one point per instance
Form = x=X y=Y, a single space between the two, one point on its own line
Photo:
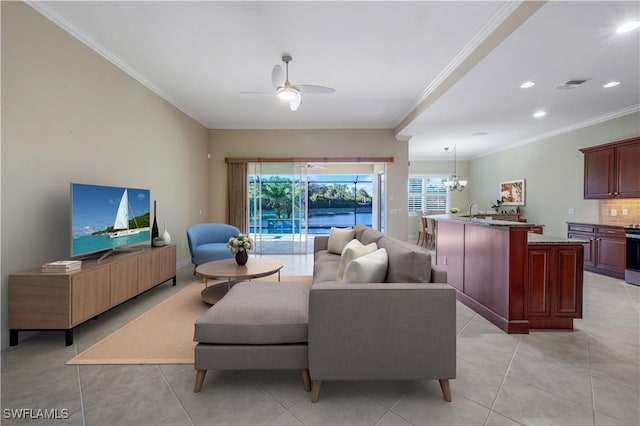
x=306 y=380
x=446 y=390
x=315 y=392
x=200 y=375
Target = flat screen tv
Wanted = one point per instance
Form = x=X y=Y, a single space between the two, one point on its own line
x=106 y=218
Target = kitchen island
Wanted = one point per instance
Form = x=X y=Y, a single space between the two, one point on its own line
x=515 y=279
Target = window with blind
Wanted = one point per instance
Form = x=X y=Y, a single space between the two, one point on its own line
x=428 y=194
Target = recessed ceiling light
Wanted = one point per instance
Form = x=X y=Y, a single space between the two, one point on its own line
x=480 y=134
x=629 y=26
x=527 y=84
x=611 y=84
x=539 y=114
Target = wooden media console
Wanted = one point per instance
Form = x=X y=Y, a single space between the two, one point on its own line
x=61 y=301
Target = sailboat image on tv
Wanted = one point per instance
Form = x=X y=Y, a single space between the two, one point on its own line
x=121 y=223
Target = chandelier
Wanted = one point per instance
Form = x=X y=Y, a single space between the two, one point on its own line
x=453 y=182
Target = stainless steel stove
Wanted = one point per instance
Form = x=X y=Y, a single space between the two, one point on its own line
x=632 y=269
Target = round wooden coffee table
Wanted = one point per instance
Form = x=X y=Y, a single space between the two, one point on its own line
x=228 y=269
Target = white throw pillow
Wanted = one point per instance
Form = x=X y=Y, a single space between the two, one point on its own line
x=352 y=244
x=338 y=238
x=370 y=268
x=353 y=251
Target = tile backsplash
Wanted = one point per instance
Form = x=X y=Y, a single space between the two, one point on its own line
x=612 y=211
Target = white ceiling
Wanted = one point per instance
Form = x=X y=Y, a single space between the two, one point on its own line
x=434 y=71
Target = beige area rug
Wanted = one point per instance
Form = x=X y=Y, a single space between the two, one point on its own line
x=162 y=335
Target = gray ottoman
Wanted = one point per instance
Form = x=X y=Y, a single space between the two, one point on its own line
x=257 y=325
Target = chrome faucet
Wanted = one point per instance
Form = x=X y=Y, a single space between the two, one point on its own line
x=471 y=209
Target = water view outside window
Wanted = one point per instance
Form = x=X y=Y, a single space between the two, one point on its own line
x=289 y=204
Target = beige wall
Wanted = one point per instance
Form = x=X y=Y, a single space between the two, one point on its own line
x=313 y=143
x=69 y=115
x=553 y=170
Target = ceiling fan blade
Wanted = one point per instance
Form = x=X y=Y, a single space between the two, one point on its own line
x=312 y=88
x=295 y=102
x=277 y=76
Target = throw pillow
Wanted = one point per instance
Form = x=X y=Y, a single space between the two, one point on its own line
x=370 y=268
x=338 y=238
x=353 y=251
x=352 y=244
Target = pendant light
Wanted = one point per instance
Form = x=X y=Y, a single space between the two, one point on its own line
x=453 y=182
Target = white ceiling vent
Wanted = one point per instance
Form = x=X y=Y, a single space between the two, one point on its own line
x=571 y=84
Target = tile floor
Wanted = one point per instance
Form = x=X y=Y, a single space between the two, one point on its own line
x=589 y=376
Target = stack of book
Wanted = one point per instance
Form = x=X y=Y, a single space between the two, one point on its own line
x=62 y=266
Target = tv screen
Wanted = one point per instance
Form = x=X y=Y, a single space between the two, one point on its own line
x=107 y=217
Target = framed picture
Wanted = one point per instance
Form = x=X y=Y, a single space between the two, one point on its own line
x=512 y=193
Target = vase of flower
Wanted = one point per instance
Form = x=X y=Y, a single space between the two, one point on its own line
x=242 y=257
x=239 y=245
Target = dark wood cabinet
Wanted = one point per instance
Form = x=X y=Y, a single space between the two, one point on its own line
x=604 y=248
x=611 y=250
x=554 y=286
x=611 y=170
x=628 y=167
x=512 y=279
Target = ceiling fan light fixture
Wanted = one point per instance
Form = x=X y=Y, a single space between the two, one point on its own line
x=287 y=93
x=629 y=26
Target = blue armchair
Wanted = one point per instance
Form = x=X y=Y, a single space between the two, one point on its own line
x=208 y=242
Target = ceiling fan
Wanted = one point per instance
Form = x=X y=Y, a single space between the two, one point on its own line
x=289 y=92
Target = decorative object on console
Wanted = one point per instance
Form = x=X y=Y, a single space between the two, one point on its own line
x=158 y=242
x=154 y=228
x=165 y=235
x=453 y=182
x=512 y=193
x=239 y=244
x=62 y=266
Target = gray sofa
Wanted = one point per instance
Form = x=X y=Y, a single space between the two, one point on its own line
x=403 y=328
x=400 y=329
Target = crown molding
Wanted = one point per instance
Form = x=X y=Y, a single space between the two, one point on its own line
x=576 y=126
x=502 y=24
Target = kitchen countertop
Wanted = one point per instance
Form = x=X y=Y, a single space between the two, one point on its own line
x=486 y=222
x=537 y=239
x=594 y=223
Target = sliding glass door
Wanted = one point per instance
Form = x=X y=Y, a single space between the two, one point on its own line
x=289 y=203
x=278 y=207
